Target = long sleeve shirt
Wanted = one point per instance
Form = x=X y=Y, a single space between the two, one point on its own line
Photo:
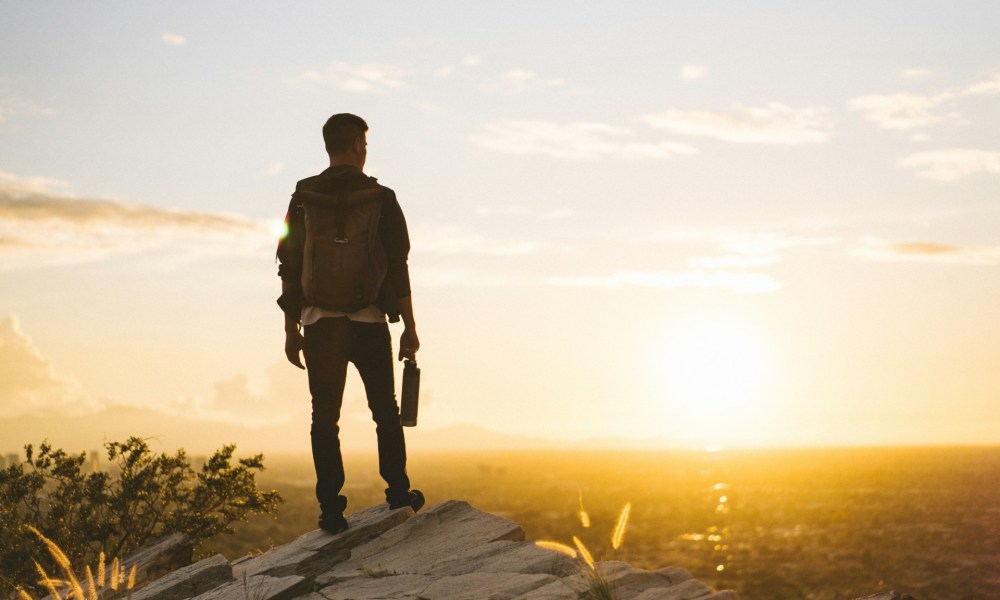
x=393 y=235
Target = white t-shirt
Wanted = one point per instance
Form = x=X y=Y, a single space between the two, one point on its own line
x=368 y=314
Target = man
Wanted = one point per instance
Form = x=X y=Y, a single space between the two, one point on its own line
x=329 y=337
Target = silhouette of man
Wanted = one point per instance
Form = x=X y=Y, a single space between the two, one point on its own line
x=330 y=339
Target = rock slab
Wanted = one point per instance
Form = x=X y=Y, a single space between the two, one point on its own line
x=450 y=551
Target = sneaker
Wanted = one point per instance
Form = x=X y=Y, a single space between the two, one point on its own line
x=414 y=499
x=333 y=524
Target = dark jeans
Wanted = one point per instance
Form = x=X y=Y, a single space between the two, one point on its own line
x=330 y=344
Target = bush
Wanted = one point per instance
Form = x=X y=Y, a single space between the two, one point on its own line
x=149 y=496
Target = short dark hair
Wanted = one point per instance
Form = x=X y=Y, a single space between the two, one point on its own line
x=341 y=130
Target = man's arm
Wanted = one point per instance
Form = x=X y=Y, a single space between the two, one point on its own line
x=289 y=256
x=293 y=337
x=408 y=341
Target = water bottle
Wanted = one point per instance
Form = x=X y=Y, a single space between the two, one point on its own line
x=411 y=393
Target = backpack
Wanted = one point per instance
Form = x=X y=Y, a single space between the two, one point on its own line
x=343 y=261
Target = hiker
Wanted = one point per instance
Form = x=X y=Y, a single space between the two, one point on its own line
x=343 y=272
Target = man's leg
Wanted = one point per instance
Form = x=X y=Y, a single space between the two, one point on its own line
x=325 y=351
x=371 y=353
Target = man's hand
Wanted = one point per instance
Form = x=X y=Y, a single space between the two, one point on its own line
x=293 y=346
x=408 y=344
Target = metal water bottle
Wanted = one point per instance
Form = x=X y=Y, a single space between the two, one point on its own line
x=411 y=393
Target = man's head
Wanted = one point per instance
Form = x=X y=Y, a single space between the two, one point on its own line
x=344 y=137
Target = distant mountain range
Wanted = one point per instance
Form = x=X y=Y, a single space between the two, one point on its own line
x=167 y=432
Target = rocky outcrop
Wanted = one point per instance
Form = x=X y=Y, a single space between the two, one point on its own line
x=450 y=551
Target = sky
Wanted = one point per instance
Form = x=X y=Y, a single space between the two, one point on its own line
x=662 y=224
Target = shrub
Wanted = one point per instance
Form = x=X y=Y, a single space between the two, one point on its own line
x=148 y=496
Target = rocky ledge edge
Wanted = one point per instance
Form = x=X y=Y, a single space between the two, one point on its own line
x=449 y=551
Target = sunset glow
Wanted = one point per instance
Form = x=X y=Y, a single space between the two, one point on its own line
x=717 y=373
x=634 y=226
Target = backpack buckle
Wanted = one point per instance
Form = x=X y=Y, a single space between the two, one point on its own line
x=340 y=240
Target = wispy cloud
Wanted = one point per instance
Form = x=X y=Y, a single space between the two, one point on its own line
x=467 y=62
x=515 y=210
x=905 y=111
x=571 y=141
x=693 y=72
x=901 y=111
x=13 y=184
x=753 y=246
x=516 y=81
x=952 y=164
x=774 y=123
x=29 y=384
x=276 y=167
x=458 y=241
x=737 y=254
x=173 y=39
x=11 y=106
x=742 y=282
x=370 y=77
x=914 y=73
x=448 y=276
x=39 y=226
x=254 y=402
x=927 y=252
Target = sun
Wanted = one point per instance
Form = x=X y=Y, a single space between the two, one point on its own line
x=716 y=373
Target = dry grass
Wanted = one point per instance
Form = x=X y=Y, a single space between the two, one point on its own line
x=70 y=586
x=598 y=585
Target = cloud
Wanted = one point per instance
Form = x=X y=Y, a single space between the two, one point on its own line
x=927 y=252
x=455 y=241
x=522 y=212
x=738 y=251
x=12 y=184
x=774 y=123
x=39 y=226
x=693 y=72
x=914 y=74
x=754 y=247
x=252 y=402
x=571 y=141
x=741 y=282
x=905 y=111
x=28 y=383
x=466 y=62
x=900 y=111
x=951 y=164
x=517 y=81
x=735 y=261
x=13 y=106
x=276 y=167
x=370 y=77
x=173 y=39
x=437 y=276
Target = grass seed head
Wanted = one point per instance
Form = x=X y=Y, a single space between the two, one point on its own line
x=550 y=545
x=585 y=554
x=618 y=535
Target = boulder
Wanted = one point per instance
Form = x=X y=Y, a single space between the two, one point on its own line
x=189 y=581
x=446 y=532
x=259 y=587
x=450 y=551
x=318 y=551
